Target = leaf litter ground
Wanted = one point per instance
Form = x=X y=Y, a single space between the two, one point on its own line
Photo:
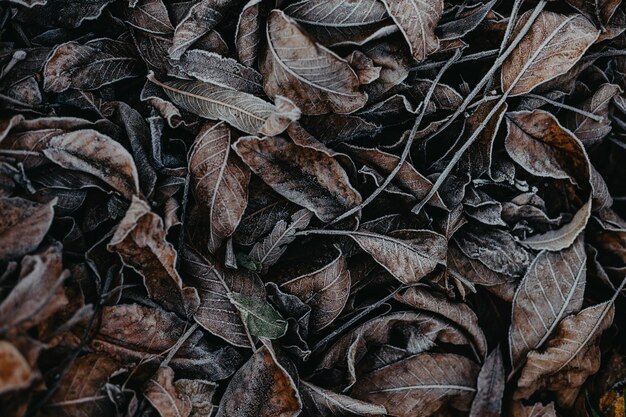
x=402 y=208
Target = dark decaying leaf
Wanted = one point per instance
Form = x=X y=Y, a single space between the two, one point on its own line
x=340 y=22
x=140 y=240
x=17 y=373
x=161 y=392
x=23 y=225
x=96 y=154
x=82 y=389
x=489 y=387
x=219 y=181
x=255 y=208
x=295 y=66
x=538 y=142
x=269 y=250
x=408 y=255
x=551 y=289
x=417 y=20
x=326 y=290
x=216 y=313
x=132 y=334
x=420 y=384
x=306 y=176
x=263 y=388
x=321 y=402
x=90 y=66
x=553 y=45
x=39 y=293
x=569 y=356
x=242 y=110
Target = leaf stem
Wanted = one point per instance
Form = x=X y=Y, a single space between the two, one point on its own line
x=592 y=116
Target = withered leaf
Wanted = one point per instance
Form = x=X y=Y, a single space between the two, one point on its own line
x=164 y=396
x=199 y=20
x=340 y=22
x=553 y=45
x=489 y=387
x=599 y=11
x=326 y=290
x=423 y=298
x=140 y=240
x=590 y=131
x=150 y=16
x=23 y=225
x=249 y=32
x=96 y=154
x=297 y=67
x=420 y=330
x=268 y=251
x=408 y=255
x=16 y=372
x=243 y=111
x=420 y=384
x=215 y=69
x=538 y=142
x=258 y=315
x=321 y=402
x=216 y=313
x=417 y=20
x=132 y=334
x=262 y=388
x=38 y=294
x=305 y=176
x=90 y=66
x=551 y=289
x=570 y=355
x=219 y=181
x=82 y=390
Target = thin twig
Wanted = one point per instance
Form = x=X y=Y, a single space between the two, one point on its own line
x=493 y=111
x=495 y=67
x=427 y=66
x=505 y=39
x=407 y=146
x=592 y=116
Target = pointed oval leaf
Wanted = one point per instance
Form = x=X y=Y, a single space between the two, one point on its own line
x=219 y=181
x=268 y=251
x=326 y=290
x=90 y=66
x=420 y=384
x=96 y=154
x=553 y=45
x=243 y=111
x=261 y=388
x=140 y=240
x=260 y=318
x=417 y=20
x=570 y=355
x=552 y=288
x=408 y=255
x=308 y=177
x=216 y=313
x=297 y=67
x=23 y=225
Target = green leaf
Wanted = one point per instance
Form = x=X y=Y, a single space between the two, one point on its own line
x=260 y=318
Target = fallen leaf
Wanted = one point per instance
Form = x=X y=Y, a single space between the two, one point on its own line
x=303 y=175
x=297 y=67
